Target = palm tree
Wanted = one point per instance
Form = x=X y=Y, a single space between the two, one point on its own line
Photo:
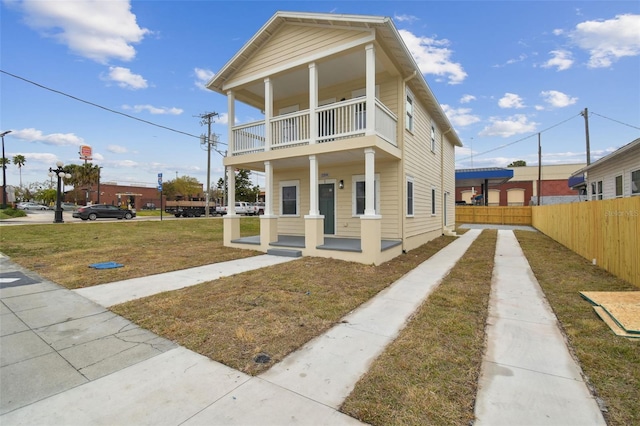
x=19 y=161
x=84 y=175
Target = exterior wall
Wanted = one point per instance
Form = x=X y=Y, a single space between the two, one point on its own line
x=295 y=42
x=449 y=179
x=608 y=170
x=554 y=172
x=108 y=191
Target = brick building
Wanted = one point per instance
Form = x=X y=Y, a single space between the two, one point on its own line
x=137 y=196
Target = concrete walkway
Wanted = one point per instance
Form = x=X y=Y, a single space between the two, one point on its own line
x=528 y=375
x=67 y=360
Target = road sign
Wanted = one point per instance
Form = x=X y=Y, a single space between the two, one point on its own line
x=159 y=181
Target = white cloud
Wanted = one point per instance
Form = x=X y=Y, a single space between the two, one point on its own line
x=607 y=41
x=557 y=99
x=406 y=18
x=467 y=98
x=125 y=78
x=460 y=116
x=433 y=57
x=95 y=29
x=117 y=149
x=57 y=139
x=561 y=59
x=510 y=126
x=154 y=110
x=510 y=100
x=202 y=77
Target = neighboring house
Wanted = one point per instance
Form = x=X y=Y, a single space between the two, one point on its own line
x=615 y=176
x=358 y=155
x=522 y=188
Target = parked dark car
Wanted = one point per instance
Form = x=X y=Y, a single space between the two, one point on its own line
x=97 y=211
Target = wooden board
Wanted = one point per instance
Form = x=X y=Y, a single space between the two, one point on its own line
x=622 y=306
x=619 y=331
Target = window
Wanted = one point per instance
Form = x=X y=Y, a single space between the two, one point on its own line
x=359 y=195
x=433 y=138
x=619 y=186
x=635 y=182
x=289 y=191
x=409 y=196
x=596 y=190
x=433 y=201
x=409 y=108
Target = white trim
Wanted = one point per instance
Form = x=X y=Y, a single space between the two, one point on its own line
x=288 y=183
x=361 y=178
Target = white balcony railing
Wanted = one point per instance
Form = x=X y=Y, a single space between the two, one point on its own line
x=336 y=121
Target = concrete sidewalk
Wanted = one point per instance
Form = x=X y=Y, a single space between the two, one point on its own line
x=528 y=375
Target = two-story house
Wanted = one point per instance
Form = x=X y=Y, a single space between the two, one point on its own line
x=357 y=154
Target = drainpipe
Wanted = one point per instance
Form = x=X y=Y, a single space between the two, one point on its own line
x=403 y=103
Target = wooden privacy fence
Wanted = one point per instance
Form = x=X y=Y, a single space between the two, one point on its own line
x=607 y=231
x=494 y=215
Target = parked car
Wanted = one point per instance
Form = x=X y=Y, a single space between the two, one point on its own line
x=64 y=206
x=97 y=211
x=31 y=206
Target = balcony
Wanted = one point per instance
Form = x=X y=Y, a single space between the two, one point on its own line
x=335 y=122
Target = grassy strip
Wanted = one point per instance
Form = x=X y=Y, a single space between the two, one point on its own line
x=62 y=253
x=611 y=363
x=273 y=310
x=429 y=374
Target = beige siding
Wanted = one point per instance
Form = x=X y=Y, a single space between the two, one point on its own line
x=608 y=170
x=449 y=179
x=293 y=42
x=424 y=166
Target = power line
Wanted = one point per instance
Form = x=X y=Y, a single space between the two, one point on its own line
x=619 y=122
x=99 y=106
x=522 y=139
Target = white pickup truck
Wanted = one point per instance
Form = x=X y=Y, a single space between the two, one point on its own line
x=242 y=208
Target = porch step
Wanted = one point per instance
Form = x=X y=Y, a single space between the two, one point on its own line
x=284 y=252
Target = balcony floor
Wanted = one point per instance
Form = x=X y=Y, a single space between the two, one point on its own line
x=330 y=243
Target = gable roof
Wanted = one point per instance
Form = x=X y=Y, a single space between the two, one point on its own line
x=386 y=33
x=615 y=154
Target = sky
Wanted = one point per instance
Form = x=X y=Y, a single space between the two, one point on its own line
x=127 y=78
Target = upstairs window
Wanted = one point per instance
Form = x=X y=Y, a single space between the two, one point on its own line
x=409 y=108
x=433 y=138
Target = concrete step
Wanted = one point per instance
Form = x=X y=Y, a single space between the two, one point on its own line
x=284 y=252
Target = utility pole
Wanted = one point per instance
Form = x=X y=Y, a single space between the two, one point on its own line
x=585 y=114
x=207 y=119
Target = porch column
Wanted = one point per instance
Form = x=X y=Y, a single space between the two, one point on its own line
x=370 y=51
x=313 y=186
x=313 y=222
x=268 y=221
x=313 y=103
x=231 y=220
x=268 y=112
x=369 y=181
x=231 y=111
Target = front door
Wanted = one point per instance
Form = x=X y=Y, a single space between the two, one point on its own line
x=327 y=206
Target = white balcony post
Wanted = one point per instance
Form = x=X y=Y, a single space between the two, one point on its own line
x=313 y=102
x=369 y=181
x=231 y=111
x=231 y=190
x=313 y=186
x=370 y=88
x=268 y=112
x=268 y=189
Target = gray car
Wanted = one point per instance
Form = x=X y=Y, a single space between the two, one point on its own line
x=97 y=211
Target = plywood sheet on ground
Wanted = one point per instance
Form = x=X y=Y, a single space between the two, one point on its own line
x=622 y=306
x=619 y=331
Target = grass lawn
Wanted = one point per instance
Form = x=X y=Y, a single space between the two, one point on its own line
x=63 y=252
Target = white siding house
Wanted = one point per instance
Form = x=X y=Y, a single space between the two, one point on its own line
x=358 y=155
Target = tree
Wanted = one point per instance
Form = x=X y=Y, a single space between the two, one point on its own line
x=518 y=163
x=244 y=190
x=183 y=187
x=4 y=162
x=19 y=161
x=83 y=176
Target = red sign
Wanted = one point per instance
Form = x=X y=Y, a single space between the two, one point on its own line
x=85 y=152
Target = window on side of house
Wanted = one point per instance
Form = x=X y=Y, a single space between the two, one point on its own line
x=409 y=112
x=635 y=182
x=433 y=201
x=409 y=196
x=359 y=194
x=619 y=190
x=596 y=190
x=433 y=138
x=290 y=198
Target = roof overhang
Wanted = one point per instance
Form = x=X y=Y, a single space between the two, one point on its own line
x=477 y=177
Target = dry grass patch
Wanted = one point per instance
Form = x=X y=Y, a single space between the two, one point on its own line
x=273 y=311
x=429 y=374
x=611 y=363
x=63 y=253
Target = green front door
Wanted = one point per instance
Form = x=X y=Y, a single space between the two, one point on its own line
x=327 y=204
